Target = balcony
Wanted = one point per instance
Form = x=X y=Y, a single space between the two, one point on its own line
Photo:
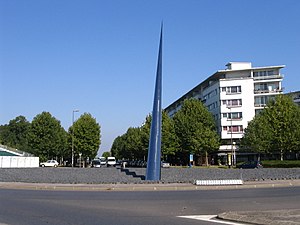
x=260 y=105
x=235 y=119
x=278 y=76
x=267 y=91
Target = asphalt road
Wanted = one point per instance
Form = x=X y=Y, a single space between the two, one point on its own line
x=146 y=208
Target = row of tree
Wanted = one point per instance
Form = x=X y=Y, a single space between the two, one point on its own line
x=46 y=138
x=192 y=130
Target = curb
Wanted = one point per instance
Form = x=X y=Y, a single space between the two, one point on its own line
x=146 y=187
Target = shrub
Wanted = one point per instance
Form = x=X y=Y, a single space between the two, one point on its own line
x=281 y=164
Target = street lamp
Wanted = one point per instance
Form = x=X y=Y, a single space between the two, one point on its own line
x=234 y=153
x=74 y=111
x=231 y=139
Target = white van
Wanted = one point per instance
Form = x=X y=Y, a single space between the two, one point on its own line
x=111 y=161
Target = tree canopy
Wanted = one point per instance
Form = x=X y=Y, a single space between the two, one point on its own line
x=276 y=129
x=195 y=128
x=46 y=137
x=192 y=130
x=87 y=137
x=14 y=134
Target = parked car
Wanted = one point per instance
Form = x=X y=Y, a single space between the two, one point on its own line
x=49 y=163
x=96 y=163
x=165 y=164
x=111 y=161
x=102 y=161
x=250 y=165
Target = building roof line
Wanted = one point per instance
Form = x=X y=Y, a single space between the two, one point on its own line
x=252 y=68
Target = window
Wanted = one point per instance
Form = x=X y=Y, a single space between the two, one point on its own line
x=232 y=89
x=233 y=116
x=235 y=129
x=232 y=102
x=264 y=73
x=263 y=100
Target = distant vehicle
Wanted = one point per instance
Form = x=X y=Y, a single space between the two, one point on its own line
x=49 y=163
x=102 y=161
x=250 y=165
x=111 y=161
x=165 y=164
x=96 y=163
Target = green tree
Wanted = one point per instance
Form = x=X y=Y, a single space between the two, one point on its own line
x=195 y=129
x=106 y=154
x=87 y=137
x=145 y=134
x=46 y=137
x=14 y=134
x=169 y=140
x=133 y=143
x=118 y=148
x=276 y=129
x=257 y=135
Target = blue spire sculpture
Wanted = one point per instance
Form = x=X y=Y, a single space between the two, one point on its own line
x=154 y=151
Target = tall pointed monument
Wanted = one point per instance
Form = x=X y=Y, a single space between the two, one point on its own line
x=154 y=151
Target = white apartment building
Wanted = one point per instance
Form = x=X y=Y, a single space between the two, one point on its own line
x=295 y=96
x=234 y=96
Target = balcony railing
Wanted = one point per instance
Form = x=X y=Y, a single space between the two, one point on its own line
x=268 y=91
x=279 y=76
x=260 y=104
x=234 y=119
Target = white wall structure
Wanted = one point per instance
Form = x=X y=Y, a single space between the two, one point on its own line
x=18 y=162
x=13 y=158
x=234 y=96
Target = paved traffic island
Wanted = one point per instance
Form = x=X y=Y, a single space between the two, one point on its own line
x=274 y=217
x=112 y=175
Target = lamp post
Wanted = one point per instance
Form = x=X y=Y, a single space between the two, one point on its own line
x=231 y=139
x=74 y=111
x=234 y=153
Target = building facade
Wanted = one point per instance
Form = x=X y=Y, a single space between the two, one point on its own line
x=234 y=96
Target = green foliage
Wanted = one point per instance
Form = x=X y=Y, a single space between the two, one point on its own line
x=106 y=154
x=281 y=164
x=257 y=137
x=169 y=140
x=135 y=142
x=191 y=131
x=195 y=128
x=276 y=129
x=14 y=134
x=46 y=137
x=129 y=145
x=118 y=148
x=86 y=134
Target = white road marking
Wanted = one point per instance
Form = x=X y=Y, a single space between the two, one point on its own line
x=210 y=218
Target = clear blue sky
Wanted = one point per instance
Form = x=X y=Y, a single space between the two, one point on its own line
x=100 y=56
